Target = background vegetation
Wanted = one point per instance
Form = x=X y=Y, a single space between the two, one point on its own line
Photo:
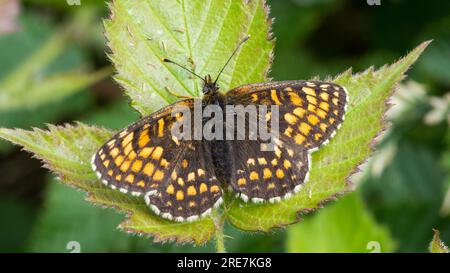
x=53 y=68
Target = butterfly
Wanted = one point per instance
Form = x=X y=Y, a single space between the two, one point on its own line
x=184 y=179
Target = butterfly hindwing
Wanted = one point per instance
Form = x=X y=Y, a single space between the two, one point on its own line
x=266 y=175
x=146 y=160
x=192 y=189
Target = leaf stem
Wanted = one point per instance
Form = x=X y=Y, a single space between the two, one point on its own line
x=219 y=236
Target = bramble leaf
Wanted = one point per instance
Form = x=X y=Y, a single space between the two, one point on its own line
x=199 y=34
x=333 y=164
x=202 y=34
x=67 y=152
x=436 y=245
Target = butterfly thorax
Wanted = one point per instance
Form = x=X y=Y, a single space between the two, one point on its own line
x=219 y=148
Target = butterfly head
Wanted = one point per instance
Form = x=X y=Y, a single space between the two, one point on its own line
x=209 y=86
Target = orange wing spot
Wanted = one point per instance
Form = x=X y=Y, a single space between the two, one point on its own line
x=158 y=176
x=321 y=113
x=110 y=172
x=271 y=186
x=313 y=119
x=148 y=169
x=274 y=162
x=262 y=161
x=311 y=99
x=118 y=177
x=300 y=112
x=184 y=163
x=191 y=191
x=317 y=136
x=335 y=101
x=130 y=179
x=304 y=128
x=123 y=133
x=180 y=181
x=214 y=189
x=242 y=181
x=267 y=173
x=127 y=139
x=127 y=149
x=254 y=176
x=201 y=172
x=251 y=161
x=288 y=131
x=102 y=156
x=170 y=189
x=335 y=93
x=290 y=152
x=331 y=120
x=279 y=173
x=287 y=164
x=295 y=99
x=146 y=152
x=180 y=195
x=335 y=112
x=118 y=161
x=274 y=96
x=309 y=91
x=111 y=143
x=299 y=139
x=114 y=152
x=268 y=116
x=277 y=151
x=137 y=166
x=157 y=153
x=131 y=155
x=290 y=118
x=191 y=177
x=254 y=97
x=144 y=139
x=141 y=184
x=203 y=188
x=324 y=96
x=312 y=108
x=164 y=163
x=106 y=163
x=161 y=127
x=192 y=204
x=325 y=106
x=125 y=166
x=323 y=127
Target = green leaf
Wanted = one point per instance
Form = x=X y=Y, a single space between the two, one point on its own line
x=196 y=33
x=43 y=74
x=29 y=84
x=436 y=245
x=202 y=35
x=344 y=226
x=67 y=151
x=333 y=164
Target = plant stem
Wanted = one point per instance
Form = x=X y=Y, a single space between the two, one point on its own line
x=219 y=236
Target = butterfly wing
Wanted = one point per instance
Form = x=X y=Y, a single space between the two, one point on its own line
x=310 y=112
x=174 y=176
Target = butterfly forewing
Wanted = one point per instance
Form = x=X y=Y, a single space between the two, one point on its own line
x=174 y=176
x=310 y=112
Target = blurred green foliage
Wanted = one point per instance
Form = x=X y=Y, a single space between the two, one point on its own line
x=313 y=38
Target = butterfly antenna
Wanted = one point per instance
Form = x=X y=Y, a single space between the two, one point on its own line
x=179 y=65
x=232 y=55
